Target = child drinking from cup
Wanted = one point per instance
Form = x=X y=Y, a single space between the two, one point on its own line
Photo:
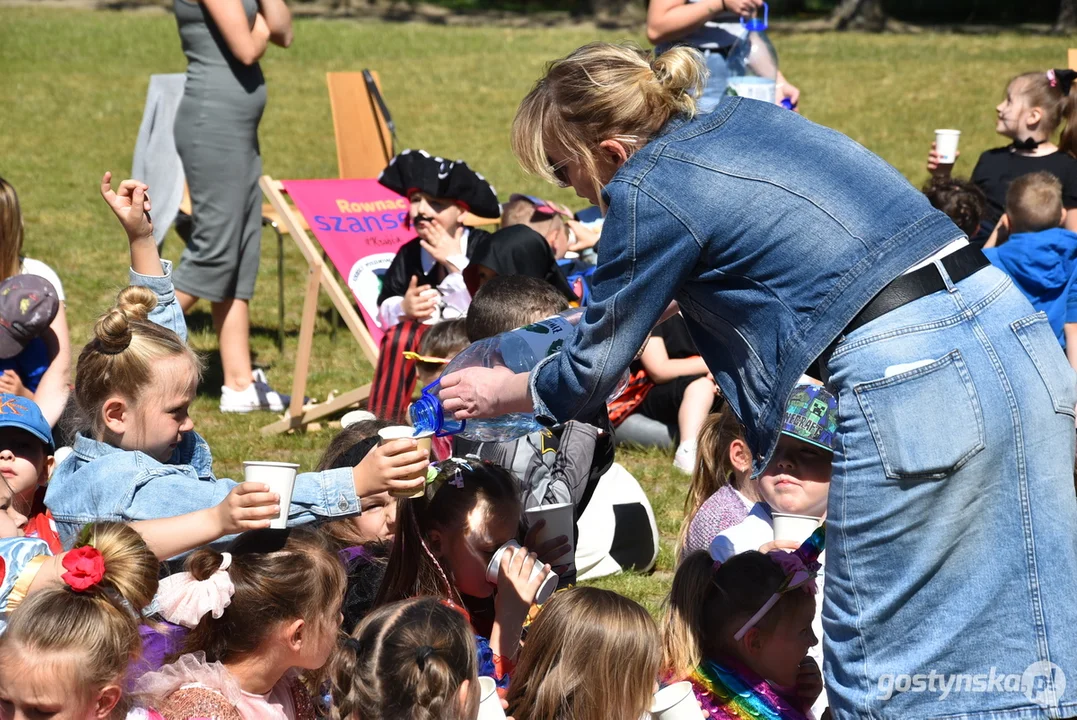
x=591 y=654
x=410 y=659
x=135 y=381
x=1035 y=105
x=740 y=632
x=444 y=543
x=251 y=632
x=68 y=645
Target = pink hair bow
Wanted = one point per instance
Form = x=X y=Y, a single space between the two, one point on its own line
x=797 y=572
x=185 y=601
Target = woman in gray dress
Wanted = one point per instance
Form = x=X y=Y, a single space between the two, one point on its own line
x=216 y=135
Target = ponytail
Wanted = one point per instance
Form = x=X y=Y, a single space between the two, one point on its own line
x=406 y=660
x=1067 y=143
x=714 y=469
x=93 y=618
x=683 y=615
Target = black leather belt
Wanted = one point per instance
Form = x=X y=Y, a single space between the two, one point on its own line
x=919 y=283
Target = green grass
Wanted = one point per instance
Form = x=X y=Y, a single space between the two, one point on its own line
x=73 y=85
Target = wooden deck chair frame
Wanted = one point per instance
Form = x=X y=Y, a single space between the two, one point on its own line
x=356 y=122
x=320 y=276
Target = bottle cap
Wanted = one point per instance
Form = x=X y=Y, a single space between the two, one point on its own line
x=754 y=23
x=427 y=415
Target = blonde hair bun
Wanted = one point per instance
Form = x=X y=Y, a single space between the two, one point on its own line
x=681 y=74
x=113 y=329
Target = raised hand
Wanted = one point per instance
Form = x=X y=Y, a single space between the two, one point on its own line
x=436 y=240
x=131 y=205
x=419 y=302
x=250 y=506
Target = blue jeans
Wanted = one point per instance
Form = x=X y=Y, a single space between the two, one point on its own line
x=952 y=522
x=714 y=90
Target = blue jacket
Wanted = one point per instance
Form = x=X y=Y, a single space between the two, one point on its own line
x=771 y=232
x=1043 y=266
x=101 y=482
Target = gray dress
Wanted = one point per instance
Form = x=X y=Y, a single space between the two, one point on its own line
x=216 y=135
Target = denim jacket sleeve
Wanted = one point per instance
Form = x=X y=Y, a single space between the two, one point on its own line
x=328 y=494
x=645 y=256
x=168 y=312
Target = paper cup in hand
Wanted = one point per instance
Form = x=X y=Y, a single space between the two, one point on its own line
x=676 y=702
x=797 y=528
x=280 y=477
x=489 y=701
x=399 y=432
x=560 y=520
x=494 y=569
x=946 y=145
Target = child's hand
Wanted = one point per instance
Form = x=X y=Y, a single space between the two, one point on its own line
x=787 y=545
x=937 y=168
x=516 y=589
x=417 y=304
x=583 y=237
x=131 y=206
x=250 y=506
x=439 y=243
x=549 y=550
x=397 y=467
x=11 y=383
x=809 y=681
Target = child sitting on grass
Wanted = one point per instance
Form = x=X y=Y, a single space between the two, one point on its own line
x=136 y=380
x=1040 y=256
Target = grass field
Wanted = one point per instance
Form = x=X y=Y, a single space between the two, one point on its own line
x=72 y=86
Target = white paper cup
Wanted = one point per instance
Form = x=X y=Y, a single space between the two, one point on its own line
x=398 y=432
x=489 y=701
x=676 y=702
x=494 y=568
x=560 y=520
x=280 y=477
x=797 y=528
x=946 y=145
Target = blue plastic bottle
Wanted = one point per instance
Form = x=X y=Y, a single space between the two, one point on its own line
x=753 y=62
x=519 y=350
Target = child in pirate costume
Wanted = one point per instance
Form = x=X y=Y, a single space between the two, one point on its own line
x=424 y=283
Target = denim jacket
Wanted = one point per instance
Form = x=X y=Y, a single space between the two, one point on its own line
x=771 y=232
x=101 y=482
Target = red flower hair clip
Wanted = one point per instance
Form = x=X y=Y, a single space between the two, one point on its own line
x=85 y=568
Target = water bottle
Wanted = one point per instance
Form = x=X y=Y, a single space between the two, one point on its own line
x=519 y=350
x=753 y=62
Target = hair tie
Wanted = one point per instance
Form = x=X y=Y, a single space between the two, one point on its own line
x=1061 y=79
x=185 y=601
x=716 y=566
x=424 y=653
x=354 y=645
x=85 y=568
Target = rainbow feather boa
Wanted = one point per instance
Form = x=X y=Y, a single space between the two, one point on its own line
x=730 y=695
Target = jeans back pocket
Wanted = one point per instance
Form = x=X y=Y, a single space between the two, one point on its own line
x=927 y=421
x=1036 y=336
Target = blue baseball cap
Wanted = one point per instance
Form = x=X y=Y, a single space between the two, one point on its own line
x=24 y=414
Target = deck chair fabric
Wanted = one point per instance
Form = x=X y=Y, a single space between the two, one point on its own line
x=156 y=161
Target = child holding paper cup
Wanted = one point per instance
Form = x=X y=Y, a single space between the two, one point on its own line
x=1034 y=107
x=444 y=544
x=140 y=458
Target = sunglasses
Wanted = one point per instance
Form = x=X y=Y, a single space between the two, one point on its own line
x=560 y=172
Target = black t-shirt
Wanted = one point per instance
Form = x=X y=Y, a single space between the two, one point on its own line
x=997 y=168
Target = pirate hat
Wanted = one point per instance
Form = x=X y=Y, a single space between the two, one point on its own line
x=416 y=171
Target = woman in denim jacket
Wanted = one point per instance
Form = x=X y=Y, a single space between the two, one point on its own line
x=142 y=459
x=952 y=518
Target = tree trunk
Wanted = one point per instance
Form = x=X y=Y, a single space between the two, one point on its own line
x=861 y=15
x=1067 y=16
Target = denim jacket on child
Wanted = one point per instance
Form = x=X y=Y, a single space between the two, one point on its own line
x=101 y=482
x=771 y=232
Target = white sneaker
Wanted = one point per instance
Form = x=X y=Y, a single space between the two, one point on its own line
x=685 y=457
x=257 y=396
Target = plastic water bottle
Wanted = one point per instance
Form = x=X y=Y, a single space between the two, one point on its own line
x=519 y=350
x=753 y=62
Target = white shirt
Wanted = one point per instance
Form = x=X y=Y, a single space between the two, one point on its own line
x=455 y=299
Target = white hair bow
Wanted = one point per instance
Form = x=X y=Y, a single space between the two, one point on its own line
x=184 y=601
